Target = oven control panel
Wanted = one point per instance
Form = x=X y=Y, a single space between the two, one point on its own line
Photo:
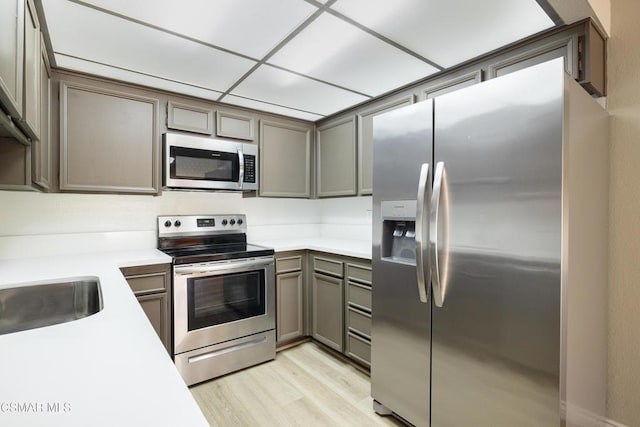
x=201 y=224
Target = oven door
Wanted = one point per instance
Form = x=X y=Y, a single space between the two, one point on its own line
x=220 y=301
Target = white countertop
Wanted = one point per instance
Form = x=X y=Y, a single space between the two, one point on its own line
x=108 y=369
x=346 y=247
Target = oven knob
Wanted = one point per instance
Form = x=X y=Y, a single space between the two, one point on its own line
x=240 y=221
x=232 y=222
x=177 y=223
x=224 y=222
x=167 y=223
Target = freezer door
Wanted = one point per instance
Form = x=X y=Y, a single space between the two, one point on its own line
x=400 y=362
x=496 y=236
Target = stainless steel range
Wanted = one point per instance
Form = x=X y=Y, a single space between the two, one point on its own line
x=223 y=295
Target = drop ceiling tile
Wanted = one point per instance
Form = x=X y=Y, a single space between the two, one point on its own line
x=263 y=106
x=275 y=86
x=85 y=33
x=102 y=70
x=332 y=50
x=250 y=27
x=448 y=32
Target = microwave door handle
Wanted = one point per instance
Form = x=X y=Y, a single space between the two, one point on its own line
x=241 y=162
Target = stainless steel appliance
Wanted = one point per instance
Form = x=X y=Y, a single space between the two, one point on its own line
x=193 y=162
x=490 y=255
x=223 y=295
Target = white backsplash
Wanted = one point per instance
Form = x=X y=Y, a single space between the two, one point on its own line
x=40 y=224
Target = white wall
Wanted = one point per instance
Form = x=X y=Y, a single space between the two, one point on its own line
x=33 y=223
x=624 y=213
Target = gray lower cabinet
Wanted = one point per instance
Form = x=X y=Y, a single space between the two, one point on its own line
x=285 y=159
x=365 y=140
x=327 y=288
x=289 y=297
x=108 y=141
x=151 y=284
x=336 y=158
x=358 y=312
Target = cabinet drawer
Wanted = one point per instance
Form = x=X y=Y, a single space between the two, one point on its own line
x=359 y=273
x=327 y=266
x=359 y=349
x=359 y=321
x=148 y=279
x=289 y=264
x=359 y=295
x=148 y=283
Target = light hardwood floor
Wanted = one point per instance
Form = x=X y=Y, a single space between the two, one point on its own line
x=304 y=386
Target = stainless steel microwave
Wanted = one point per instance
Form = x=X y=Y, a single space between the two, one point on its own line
x=199 y=163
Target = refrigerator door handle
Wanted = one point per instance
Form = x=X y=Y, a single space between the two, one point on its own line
x=438 y=265
x=422 y=248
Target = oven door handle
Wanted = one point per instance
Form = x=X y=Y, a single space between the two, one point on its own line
x=224 y=267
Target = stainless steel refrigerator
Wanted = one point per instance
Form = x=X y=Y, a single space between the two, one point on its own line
x=490 y=255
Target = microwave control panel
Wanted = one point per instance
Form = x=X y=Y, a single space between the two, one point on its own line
x=249 y=168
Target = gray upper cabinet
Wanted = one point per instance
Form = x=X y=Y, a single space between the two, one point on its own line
x=592 y=75
x=15 y=165
x=108 y=141
x=30 y=121
x=336 y=158
x=365 y=140
x=234 y=125
x=285 y=160
x=566 y=47
x=11 y=55
x=41 y=149
x=450 y=84
x=189 y=118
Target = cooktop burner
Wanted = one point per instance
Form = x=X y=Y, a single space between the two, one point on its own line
x=217 y=253
x=204 y=238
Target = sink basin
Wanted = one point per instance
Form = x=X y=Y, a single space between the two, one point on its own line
x=44 y=304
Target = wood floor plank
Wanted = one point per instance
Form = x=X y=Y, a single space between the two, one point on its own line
x=305 y=386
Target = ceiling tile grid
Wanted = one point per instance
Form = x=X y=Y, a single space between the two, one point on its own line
x=299 y=58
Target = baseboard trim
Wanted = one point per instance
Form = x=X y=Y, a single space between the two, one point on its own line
x=611 y=423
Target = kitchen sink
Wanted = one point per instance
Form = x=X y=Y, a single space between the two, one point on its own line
x=44 y=304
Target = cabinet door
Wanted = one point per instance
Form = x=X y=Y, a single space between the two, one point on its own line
x=41 y=149
x=11 y=55
x=190 y=118
x=285 y=160
x=365 y=141
x=31 y=104
x=108 y=141
x=450 y=84
x=290 y=323
x=566 y=48
x=336 y=160
x=232 y=125
x=328 y=311
x=156 y=307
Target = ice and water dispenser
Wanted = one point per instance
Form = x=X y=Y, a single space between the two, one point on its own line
x=399 y=231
